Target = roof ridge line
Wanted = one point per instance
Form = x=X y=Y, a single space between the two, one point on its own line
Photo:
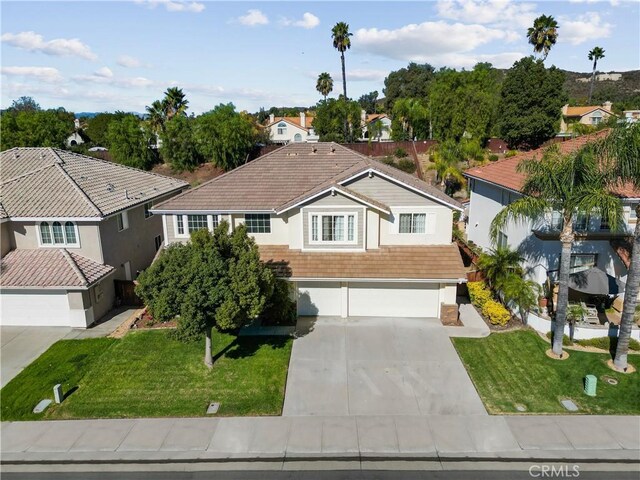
x=77 y=187
x=75 y=267
x=30 y=172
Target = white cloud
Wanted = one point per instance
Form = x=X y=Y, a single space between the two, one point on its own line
x=426 y=41
x=494 y=12
x=253 y=17
x=45 y=74
x=613 y=3
x=128 y=61
x=353 y=75
x=103 y=77
x=173 y=6
x=104 y=72
x=577 y=30
x=308 y=21
x=34 y=42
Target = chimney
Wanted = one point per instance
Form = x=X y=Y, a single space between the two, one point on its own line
x=303 y=120
x=363 y=116
x=272 y=118
x=76 y=123
x=607 y=105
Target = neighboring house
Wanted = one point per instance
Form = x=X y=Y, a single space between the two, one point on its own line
x=631 y=116
x=369 y=118
x=355 y=237
x=77 y=137
x=71 y=225
x=292 y=129
x=592 y=115
x=497 y=184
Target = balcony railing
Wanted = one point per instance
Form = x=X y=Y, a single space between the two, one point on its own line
x=552 y=232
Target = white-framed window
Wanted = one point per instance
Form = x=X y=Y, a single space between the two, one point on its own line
x=187 y=224
x=147 y=208
x=333 y=228
x=123 y=221
x=157 y=240
x=197 y=222
x=503 y=240
x=596 y=118
x=58 y=234
x=297 y=137
x=282 y=128
x=412 y=223
x=258 y=222
x=556 y=221
x=582 y=261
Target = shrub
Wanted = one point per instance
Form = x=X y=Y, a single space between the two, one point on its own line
x=400 y=152
x=406 y=165
x=493 y=157
x=496 y=312
x=388 y=160
x=511 y=153
x=280 y=310
x=478 y=293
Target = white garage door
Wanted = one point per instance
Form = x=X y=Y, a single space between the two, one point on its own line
x=393 y=300
x=319 y=298
x=49 y=309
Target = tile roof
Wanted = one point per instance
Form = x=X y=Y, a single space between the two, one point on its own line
x=49 y=268
x=308 y=121
x=286 y=176
x=581 y=111
x=48 y=182
x=505 y=174
x=397 y=262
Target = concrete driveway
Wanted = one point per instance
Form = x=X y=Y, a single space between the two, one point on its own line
x=377 y=366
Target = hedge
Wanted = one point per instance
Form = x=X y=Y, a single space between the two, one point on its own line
x=482 y=299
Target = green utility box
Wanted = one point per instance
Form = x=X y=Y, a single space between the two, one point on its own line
x=590 y=382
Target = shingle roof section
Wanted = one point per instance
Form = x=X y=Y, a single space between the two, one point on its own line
x=49 y=268
x=286 y=176
x=397 y=262
x=47 y=182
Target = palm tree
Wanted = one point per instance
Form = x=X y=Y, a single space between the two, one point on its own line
x=411 y=112
x=522 y=293
x=156 y=116
x=567 y=184
x=324 y=85
x=596 y=54
x=543 y=35
x=622 y=151
x=500 y=263
x=375 y=130
x=342 y=42
x=175 y=102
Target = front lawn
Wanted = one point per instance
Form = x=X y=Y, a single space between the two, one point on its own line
x=512 y=368
x=149 y=374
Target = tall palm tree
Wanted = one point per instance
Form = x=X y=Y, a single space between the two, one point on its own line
x=324 y=84
x=175 y=102
x=156 y=115
x=543 y=35
x=621 y=152
x=342 y=42
x=567 y=184
x=594 y=55
x=499 y=263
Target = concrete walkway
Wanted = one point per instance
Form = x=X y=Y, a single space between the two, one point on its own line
x=473 y=324
x=438 y=437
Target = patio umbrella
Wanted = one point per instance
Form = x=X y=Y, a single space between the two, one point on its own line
x=595 y=282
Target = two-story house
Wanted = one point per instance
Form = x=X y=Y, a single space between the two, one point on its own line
x=285 y=130
x=354 y=237
x=368 y=119
x=590 y=115
x=495 y=185
x=71 y=225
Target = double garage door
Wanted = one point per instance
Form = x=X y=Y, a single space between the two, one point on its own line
x=368 y=299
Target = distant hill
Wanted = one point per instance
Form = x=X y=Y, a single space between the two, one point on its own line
x=93 y=114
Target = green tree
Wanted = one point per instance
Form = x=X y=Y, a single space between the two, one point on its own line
x=35 y=128
x=324 y=85
x=530 y=103
x=129 y=142
x=498 y=264
x=157 y=116
x=341 y=42
x=98 y=126
x=175 y=102
x=412 y=115
x=329 y=120
x=620 y=152
x=543 y=34
x=178 y=147
x=568 y=184
x=595 y=54
x=521 y=293
x=369 y=102
x=214 y=281
x=375 y=130
x=23 y=104
x=411 y=82
x=225 y=137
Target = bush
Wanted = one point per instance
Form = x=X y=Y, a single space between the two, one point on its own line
x=400 y=153
x=493 y=157
x=388 y=160
x=496 y=312
x=511 y=153
x=281 y=310
x=406 y=165
x=479 y=294
x=608 y=343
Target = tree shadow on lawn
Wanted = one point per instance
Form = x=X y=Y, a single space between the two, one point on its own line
x=247 y=346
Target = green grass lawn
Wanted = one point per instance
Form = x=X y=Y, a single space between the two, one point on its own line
x=149 y=374
x=510 y=368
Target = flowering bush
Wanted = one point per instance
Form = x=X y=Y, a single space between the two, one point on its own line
x=479 y=294
x=496 y=312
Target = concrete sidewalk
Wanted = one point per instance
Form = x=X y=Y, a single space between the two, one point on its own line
x=437 y=437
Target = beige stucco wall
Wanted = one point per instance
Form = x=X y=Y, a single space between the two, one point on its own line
x=387 y=192
x=373 y=229
x=438 y=228
x=105 y=304
x=289 y=135
x=279 y=230
x=5 y=238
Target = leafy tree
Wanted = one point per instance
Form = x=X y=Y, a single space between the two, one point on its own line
x=328 y=122
x=595 y=54
x=411 y=116
x=214 y=281
x=543 y=35
x=448 y=155
x=375 y=130
x=225 y=137
x=324 y=85
x=530 y=103
x=369 y=102
x=35 y=128
x=341 y=42
x=499 y=264
x=178 y=146
x=98 y=126
x=411 y=82
x=25 y=104
x=129 y=142
x=568 y=184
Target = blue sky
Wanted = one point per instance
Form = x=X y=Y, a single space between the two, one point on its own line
x=103 y=56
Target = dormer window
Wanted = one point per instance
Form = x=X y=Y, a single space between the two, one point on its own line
x=282 y=128
x=58 y=234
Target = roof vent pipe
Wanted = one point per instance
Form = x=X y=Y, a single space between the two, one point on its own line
x=126 y=195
